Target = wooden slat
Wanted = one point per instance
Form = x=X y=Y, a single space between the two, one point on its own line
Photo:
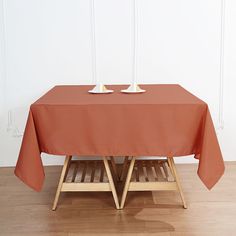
x=93 y=166
x=162 y=170
x=97 y=173
x=150 y=175
x=153 y=171
x=152 y=186
x=163 y=164
x=69 y=174
x=101 y=173
x=145 y=171
x=158 y=171
x=88 y=172
x=85 y=187
x=136 y=173
x=84 y=172
x=79 y=171
x=74 y=171
x=140 y=171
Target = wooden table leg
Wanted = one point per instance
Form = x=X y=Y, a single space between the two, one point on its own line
x=111 y=182
x=63 y=175
x=127 y=182
x=176 y=177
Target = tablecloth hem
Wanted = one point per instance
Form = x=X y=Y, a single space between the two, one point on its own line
x=216 y=179
x=19 y=176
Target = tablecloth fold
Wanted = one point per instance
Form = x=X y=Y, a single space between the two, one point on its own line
x=29 y=167
x=211 y=165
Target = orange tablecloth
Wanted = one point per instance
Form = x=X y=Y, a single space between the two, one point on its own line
x=167 y=120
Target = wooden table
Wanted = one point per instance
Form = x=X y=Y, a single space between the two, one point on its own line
x=165 y=121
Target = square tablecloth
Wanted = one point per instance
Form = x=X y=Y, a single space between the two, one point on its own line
x=166 y=120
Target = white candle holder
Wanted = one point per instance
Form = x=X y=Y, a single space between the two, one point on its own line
x=133 y=88
x=100 y=88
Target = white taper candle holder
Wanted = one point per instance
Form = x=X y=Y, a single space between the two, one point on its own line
x=134 y=87
x=100 y=88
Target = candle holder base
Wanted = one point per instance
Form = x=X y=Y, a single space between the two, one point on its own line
x=133 y=88
x=100 y=89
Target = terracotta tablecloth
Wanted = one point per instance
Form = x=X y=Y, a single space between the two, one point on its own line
x=167 y=120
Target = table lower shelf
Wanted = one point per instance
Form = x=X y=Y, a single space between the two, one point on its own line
x=106 y=175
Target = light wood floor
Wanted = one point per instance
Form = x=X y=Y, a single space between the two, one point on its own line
x=25 y=212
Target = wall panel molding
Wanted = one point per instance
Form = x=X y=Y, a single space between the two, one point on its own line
x=136 y=39
x=222 y=52
x=3 y=62
x=93 y=42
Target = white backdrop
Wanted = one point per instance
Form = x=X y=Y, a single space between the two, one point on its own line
x=47 y=42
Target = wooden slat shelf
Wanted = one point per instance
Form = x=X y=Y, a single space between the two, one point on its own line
x=83 y=175
x=150 y=175
x=81 y=171
x=104 y=175
x=151 y=171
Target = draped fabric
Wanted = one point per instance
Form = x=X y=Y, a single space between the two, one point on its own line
x=166 y=120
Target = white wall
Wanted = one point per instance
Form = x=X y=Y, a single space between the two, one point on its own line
x=47 y=42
